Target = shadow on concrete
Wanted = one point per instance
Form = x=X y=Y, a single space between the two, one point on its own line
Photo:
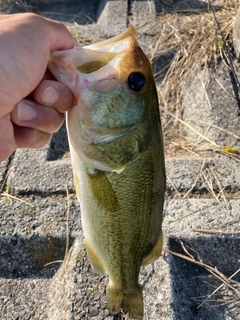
x=26 y=257
x=58 y=145
x=191 y=283
x=81 y=12
x=160 y=66
x=88 y=11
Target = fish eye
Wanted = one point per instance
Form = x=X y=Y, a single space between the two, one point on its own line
x=136 y=81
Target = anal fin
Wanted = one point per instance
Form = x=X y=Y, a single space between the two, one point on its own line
x=155 y=252
x=95 y=260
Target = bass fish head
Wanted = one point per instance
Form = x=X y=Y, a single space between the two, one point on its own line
x=116 y=96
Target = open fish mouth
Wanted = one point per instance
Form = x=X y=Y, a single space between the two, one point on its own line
x=90 y=58
x=100 y=54
x=116 y=44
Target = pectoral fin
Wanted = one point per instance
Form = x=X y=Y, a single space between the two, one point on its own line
x=102 y=191
x=95 y=260
x=155 y=252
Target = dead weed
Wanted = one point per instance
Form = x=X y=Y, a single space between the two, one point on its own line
x=190 y=37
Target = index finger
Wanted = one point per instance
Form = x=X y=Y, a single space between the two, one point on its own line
x=55 y=94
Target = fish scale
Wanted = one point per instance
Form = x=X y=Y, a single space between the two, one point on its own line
x=116 y=147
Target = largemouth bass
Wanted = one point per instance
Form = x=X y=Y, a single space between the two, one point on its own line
x=116 y=147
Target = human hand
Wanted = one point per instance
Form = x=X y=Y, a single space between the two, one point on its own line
x=32 y=103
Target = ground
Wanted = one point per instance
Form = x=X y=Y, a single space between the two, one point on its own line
x=39 y=214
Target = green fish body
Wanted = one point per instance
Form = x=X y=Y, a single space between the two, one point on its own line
x=117 y=156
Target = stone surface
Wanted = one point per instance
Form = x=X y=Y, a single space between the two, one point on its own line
x=236 y=34
x=3 y=173
x=42 y=171
x=198 y=174
x=205 y=108
x=39 y=280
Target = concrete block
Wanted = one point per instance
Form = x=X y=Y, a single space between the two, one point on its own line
x=4 y=166
x=142 y=11
x=206 y=110
x=42 y=171
x=198 y=175
x=236 y=34
x=114 y=16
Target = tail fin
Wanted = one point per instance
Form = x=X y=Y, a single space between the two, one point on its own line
x=128 y=302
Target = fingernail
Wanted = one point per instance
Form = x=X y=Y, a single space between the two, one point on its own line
x=26 y=112
x=49 y=96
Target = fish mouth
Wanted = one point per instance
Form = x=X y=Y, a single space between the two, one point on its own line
x=92 y=57
x=125 y=40
x=98 y=55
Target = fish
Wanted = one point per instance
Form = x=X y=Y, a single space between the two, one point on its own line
x=116 y=145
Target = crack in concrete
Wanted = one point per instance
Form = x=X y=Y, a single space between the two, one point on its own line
x=129 y=12
x=43 y=194
x=6 y=173
x=171 y=193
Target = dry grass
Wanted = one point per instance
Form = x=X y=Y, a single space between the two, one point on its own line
x=23 y=5
x=187 y=38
